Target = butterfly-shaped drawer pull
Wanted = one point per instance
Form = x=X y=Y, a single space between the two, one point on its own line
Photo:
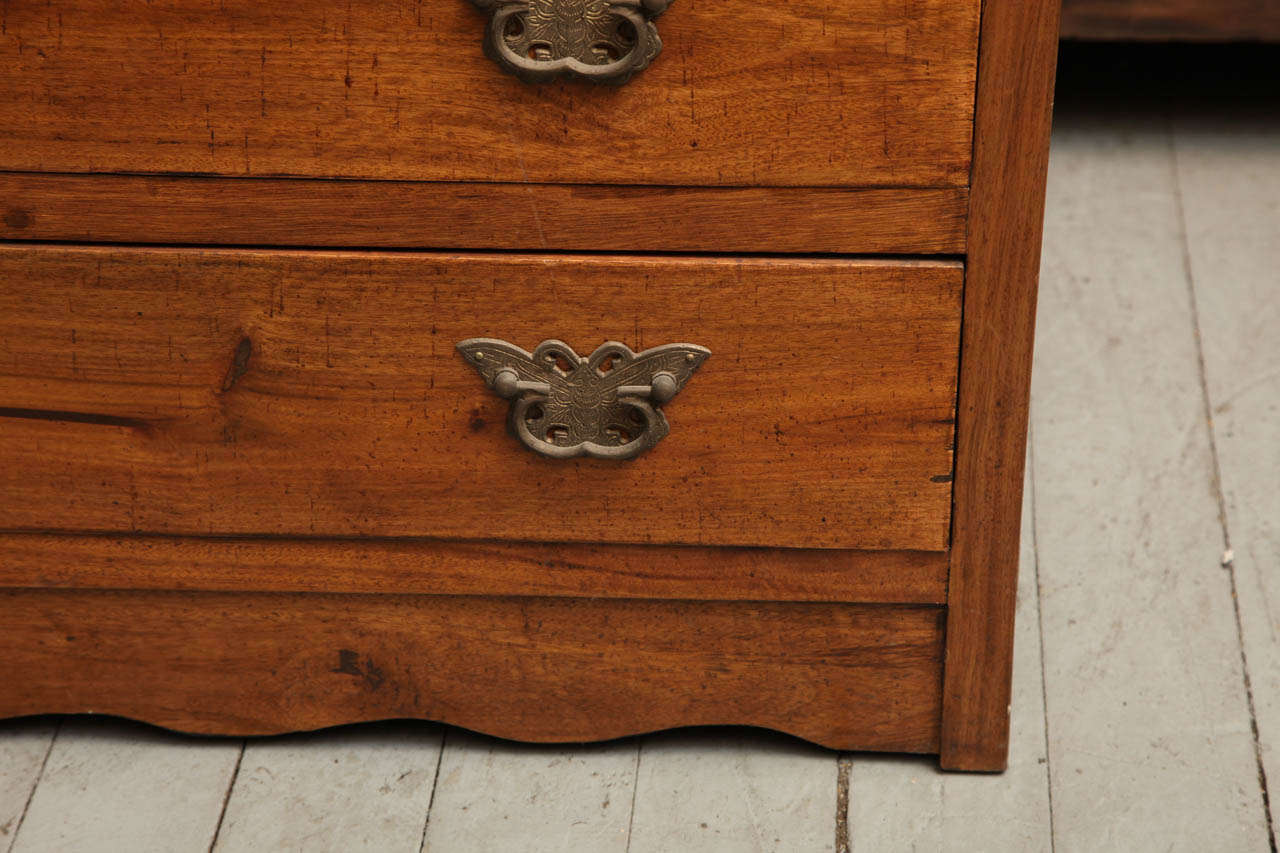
x=605 y=405
x=605 y=41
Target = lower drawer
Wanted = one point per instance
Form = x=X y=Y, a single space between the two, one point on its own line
x=321 y=394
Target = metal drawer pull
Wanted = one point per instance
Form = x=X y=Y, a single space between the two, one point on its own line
x=605 y=41
x=605 y=405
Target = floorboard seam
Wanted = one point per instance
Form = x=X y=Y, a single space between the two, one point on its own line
x=1216 y=476
x=635 y=787
x=31 y=795
x=435 y=786
x=1189 y=280
x=226 y=799
x=1044 y=689
x=844 y=763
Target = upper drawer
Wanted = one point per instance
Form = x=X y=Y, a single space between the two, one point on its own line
x=320 y=394
x=781 y=93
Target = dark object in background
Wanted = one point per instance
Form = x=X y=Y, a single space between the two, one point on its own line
x=1172 y=20
x=1127 y=74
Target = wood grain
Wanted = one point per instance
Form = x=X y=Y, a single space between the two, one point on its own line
x=319 y=394
x=38 y=560
x=1011 y=152
x=402 y=214
x=1172 y=20
x=809 y=92
x=845 y=676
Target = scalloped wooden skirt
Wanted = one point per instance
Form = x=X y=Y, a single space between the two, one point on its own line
x=542 y=669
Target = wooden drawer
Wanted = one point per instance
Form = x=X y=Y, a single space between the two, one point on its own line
x=796 y=93
x=224 y=392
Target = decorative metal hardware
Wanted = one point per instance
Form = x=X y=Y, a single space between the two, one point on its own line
x=605 y=41
x=605 y=405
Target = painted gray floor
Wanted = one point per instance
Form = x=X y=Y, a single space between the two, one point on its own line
x=1146 y=708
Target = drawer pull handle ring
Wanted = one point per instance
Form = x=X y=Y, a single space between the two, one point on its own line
x=606 y=405
x=605 y=41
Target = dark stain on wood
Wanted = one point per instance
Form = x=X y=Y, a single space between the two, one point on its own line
x=349 y=664
x=239 y=364
x=17 y=218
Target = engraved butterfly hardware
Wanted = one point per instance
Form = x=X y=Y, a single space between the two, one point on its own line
x=605 y=405
x=605 y=41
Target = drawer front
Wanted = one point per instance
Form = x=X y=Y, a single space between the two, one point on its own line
x=197 y=392
x=796 y=93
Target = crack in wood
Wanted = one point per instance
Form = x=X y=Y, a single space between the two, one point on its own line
x=75 y=417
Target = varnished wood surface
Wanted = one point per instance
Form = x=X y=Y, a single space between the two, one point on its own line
x=846 y=676
x=803 y=93
x=37 y=560
x=1011 y=153
x=319 y=393
x=1172 y=20
x=401 y=214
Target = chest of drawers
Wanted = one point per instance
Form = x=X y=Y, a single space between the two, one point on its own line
x=561 y=370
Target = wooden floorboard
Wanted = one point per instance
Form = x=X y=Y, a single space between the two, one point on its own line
x=733 y=789
x=358 y=788
x=907 y=803
x=110 y=785
x=1229 y=177
x=24 y=747
x=523 y=798
x=1149 y=731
